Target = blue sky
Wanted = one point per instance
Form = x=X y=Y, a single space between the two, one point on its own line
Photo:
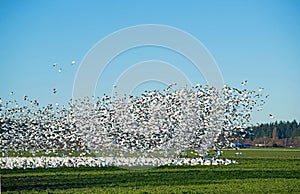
x=257 y=41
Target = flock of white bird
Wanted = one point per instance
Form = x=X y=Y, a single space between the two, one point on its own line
x=124 y=162
x=153 y=129
x=165 y=123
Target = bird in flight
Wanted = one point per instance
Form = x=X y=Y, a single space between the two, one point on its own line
x=244 y=83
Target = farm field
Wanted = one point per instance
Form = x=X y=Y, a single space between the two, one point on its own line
x=258 y=171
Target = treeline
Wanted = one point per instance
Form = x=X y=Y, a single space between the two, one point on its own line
x=277 y=130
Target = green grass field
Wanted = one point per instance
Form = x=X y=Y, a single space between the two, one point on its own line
x=258 y=171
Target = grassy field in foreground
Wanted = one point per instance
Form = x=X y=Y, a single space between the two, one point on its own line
x=258 y=171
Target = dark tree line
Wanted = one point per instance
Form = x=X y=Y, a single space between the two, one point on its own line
x=279 y=130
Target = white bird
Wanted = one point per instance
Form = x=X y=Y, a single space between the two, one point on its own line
x=267 y=95
x=244 y=83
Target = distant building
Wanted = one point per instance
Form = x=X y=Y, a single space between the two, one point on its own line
x=260 y=145
x=240 y=145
